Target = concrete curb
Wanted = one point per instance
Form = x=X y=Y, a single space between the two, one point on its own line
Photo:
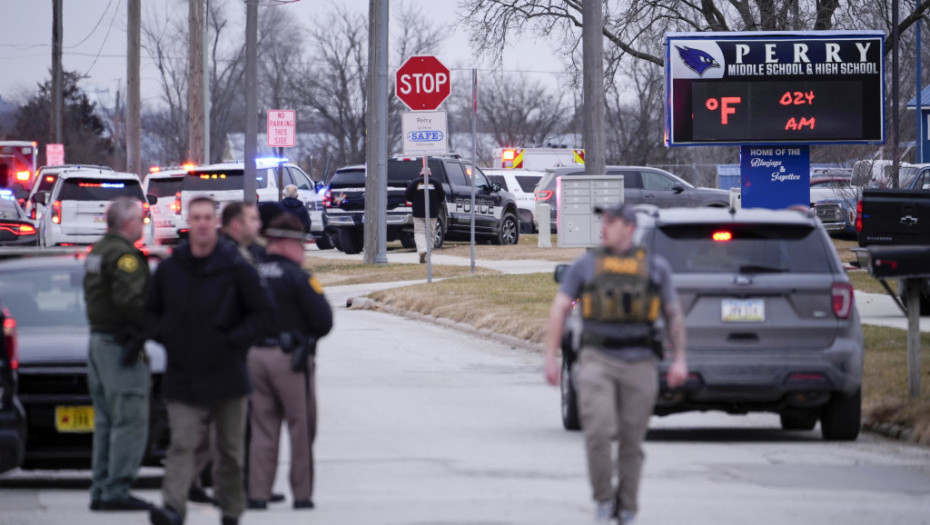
x=888 y=430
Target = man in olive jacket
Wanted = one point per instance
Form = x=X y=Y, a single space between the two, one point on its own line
x=207 y=306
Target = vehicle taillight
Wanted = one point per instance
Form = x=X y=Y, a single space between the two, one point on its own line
x=56 y=212
x=842 y=299
x=9 y=337
x=543 y=195
x=146 y=213
x=176 y=206
x=859 y=217
x=32 y=213
x=722 y=236
x=328 y=199
x=27 y=229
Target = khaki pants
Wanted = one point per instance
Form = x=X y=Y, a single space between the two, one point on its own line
x=185 y=422
x=419 y=232
x=615 y=398
x=279 y=394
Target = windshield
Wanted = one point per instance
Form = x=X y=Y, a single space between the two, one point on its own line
x=751 y=248
x=45 y=297
x=164 y=187
x=99 y=189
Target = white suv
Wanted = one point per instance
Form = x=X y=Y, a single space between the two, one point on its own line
x=77 y=204
x=164 y=184
x=45 y=180
x=224 y=183
x=522 y=183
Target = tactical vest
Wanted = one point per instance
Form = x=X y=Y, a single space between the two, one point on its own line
x=620 y=293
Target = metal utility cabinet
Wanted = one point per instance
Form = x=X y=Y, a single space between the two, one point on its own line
x=578 y=225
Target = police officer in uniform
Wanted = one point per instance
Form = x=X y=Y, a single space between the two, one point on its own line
x=115 y=283
x=623 y=290
x=282 y=368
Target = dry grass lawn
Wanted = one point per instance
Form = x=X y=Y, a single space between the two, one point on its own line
x=331 y=272
x=526 y=249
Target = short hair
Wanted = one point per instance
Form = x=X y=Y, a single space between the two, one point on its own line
x=233 y=211
x=202 y=200
x=122 y=210
x=290 y=190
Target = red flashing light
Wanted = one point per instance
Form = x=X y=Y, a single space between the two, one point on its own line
x=10 y=338
x=543 y=195
x=189 y=166
x=328 y=198
x=722 y=236
x=509 y=154
x=154 y=169
x=49 y=178
x=22 y=175
x=176 y=205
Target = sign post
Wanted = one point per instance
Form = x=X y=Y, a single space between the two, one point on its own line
x=282 y=133
x=422 y=83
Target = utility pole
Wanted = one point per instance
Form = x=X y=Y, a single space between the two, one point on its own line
x=250 y=185
x=592 y=45
x=57 y=102
x=195 y=81
x=133 y=92
x=206 y=82
x=376 y=144
x=895 y=93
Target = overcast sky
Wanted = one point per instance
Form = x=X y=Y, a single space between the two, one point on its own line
x=95 y=43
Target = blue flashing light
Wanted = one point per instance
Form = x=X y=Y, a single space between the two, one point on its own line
x=6 y=194
x=270 y=160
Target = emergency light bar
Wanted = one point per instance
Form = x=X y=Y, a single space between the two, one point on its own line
x=101 y=185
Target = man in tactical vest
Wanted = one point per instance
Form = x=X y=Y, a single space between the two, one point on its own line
x=622 y=291
x=115 y=283
x=282 y=367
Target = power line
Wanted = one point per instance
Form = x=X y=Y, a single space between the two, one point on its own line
x=92 y=31
x=105 y=37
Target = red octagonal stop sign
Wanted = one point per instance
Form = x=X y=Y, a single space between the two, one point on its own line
x=422 y=83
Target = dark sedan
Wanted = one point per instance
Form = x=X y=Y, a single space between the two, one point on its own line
x=46 y=296
x=12 y=415
x=15 y=227
x=641 y=185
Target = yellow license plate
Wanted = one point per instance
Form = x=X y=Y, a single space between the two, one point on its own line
x=74 y=419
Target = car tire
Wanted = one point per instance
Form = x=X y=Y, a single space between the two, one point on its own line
x=797 y=421
x=841 y=417
x=570 y=417
x=439 y=236
x=351 y=241
x=323 y=242
x=408 y=242
x=509 y=232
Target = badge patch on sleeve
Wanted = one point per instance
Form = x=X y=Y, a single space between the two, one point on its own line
x=128 y=263
x=315 y=285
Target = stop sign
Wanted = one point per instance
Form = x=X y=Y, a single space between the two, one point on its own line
x=422 y=83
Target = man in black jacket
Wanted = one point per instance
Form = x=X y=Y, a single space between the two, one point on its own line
x=282 y=372
x=416 y=196
x=207 y=305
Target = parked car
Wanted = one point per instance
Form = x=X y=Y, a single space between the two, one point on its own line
x=78 y=202
x=641 y=185
x=522 y=184
x=46 y=294
x=15 y=227
x=769 y=315
x=12 y=415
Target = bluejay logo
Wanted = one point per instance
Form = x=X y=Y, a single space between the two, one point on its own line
x=696 y=60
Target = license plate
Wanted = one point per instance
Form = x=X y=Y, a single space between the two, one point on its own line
x=742 y=310
x=74 y=419
x=99 y=219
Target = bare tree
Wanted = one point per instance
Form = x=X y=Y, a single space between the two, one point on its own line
x=521 y=113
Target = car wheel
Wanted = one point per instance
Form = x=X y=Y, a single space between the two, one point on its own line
x=798 y=421
x=351 y=241
x=407 y=241
x=439 y=235
x=323 y=242
x=570 y=418
x=840 y=418
x=510 y=230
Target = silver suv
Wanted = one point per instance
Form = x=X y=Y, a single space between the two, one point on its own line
x=771 y=324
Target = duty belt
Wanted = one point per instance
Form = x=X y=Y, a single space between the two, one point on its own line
x=614 y=342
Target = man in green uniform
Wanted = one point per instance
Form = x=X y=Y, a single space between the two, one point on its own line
x=115 y=283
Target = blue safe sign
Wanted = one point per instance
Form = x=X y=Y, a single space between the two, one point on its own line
x=775 y=177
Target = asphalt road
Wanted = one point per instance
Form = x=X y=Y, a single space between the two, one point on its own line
x=424 y=425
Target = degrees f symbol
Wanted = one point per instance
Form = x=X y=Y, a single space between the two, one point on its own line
x=696 y=60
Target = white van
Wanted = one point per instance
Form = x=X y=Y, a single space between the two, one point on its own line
x=522 y=183
x=77 y=204
x=224 y=183
x=165 y=183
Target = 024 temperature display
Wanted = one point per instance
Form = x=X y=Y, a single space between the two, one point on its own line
x=776 y=111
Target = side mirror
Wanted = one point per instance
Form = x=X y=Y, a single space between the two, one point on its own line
x=152 y=199
x=40 y=198
x=318 y=185
x=559 y=273
x=495 y=187
x=678 y=188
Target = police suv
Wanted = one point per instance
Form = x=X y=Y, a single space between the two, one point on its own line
x=496 y=214
x=77 y=204
x=164 y=184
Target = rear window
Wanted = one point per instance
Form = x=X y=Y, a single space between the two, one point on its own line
x=9 y=209
x=44 y=297
x=500 y=180
x=751 y=248
x=46 y=182
x=98 y=189
x=348 y=178
x=164 y=187
x=400 y=172
x=223 y=180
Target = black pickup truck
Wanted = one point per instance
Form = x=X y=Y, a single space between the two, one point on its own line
x=496 y=210
x=897 y=217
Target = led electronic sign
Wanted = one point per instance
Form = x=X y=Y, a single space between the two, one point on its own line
x=771 y=88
